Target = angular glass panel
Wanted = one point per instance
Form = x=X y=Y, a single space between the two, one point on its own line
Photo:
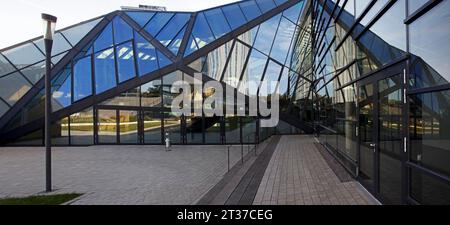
x=5 y=66
x=429 y=44
x=283 y=40
x=127 y=98
x=266 y=34
x=176 y=42
x=82 y=128
x=62 y=90
x=151 y=94
x=163 y=60
x=236 y=64
x=3 y=108
x=192 y=46
x=203 y=35
x=57 y=58
x=105 y=39
x=266 y=5
x=234 y=16
x=216 y=61
x=105 y=72
x=122 y=31
x=13 y=87
x=125 y=62
x=250 y=10
x=253 y=73
x=271 y=76
x=294 y=13
x=360 y=6
x=59 y=44
x=75 y=34
x=82 y=78
x=141 y=18
x=217 y=22
x=172 y=28
x=35 y=72
x=157 y=23
x=24 y=55
x=146 y=55
x=249 y=36
x=198 y=64
x=152 y=127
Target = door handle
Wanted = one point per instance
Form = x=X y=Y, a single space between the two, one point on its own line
x=373 y=145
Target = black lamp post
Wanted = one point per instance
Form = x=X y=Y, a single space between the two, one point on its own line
x=49 y=23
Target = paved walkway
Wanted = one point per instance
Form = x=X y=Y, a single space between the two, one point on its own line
x=118 y=174
x=298 y=175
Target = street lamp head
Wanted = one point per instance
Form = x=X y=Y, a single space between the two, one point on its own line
x=49 y=25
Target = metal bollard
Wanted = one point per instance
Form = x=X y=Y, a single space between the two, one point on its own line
x=168 y=145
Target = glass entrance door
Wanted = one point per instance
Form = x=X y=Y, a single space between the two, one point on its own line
x=381 y=137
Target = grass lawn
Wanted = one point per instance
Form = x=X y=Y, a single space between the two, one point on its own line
x=40 y=200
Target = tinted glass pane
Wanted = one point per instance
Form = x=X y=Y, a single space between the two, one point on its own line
x=128 y=123
x=265 y=5
x=414 y=5
x=360 y=6
x=146 y=55
x=107 y=126
x=253 y=73
x=198 y=64
x=157 y=23
x=3 y=108
x=60 y=132
x=266 y=34
x=203 y=35
x=125 y=62
x=75 y=34
x=250 y=9
x=168 y=80
x=82 y=128
x=59 y=44
x=151 y=94
x=283 y=40
x=293 y=13
x=429 y=38
x=373 y=11
x=232 y=130
x=279 y=2
x=194 y=129
x=24 y=55
x=141 y=18
x=57 y=58
x=152 y=127
x=428 y=190
x=172 y=127
x=217 y=21
x=5 y=66
x=35 y=72
x=216 y=61
x=192 y=46
x=430 y=131
x=82 y=78
x=248 y=130
x=105 y=39
x=122 y=31
x=234 y=16
x=172 y=28
x=61 y=90
x=176 y=42
x=13 y=87
x=236 y=64
x=105 y=73
x=127 y=98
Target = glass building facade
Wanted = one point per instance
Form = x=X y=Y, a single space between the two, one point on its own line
x=368 y=78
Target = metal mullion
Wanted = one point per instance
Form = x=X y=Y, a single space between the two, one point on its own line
x=2 y=100
x=187 y=36
x=176 y=35
x=421 y=11
x=165 y=25
x=225 y=67
x=116 y=65
x=145 y=25
x=385 y=8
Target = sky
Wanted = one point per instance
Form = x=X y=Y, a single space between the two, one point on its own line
x=20 y=20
